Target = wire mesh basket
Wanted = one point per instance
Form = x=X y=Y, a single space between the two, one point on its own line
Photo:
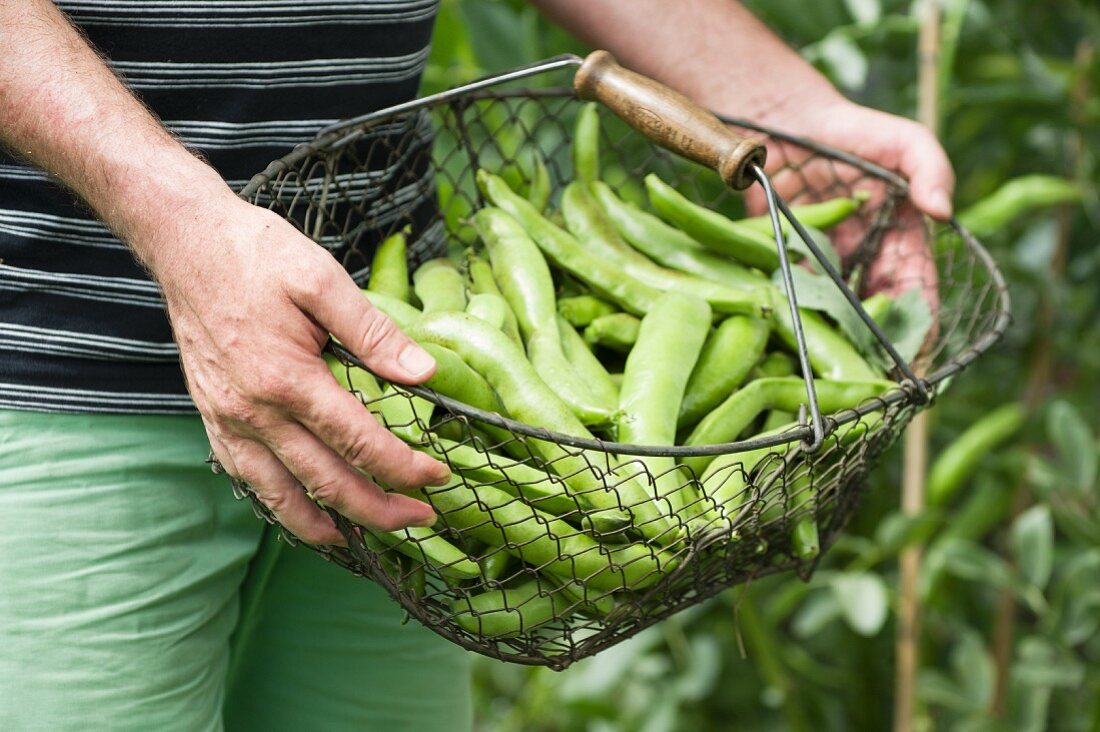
x=555 y=558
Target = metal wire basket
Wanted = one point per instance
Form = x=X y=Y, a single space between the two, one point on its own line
x=559 y=575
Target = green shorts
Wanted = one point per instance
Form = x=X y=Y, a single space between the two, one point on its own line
x=124 y=568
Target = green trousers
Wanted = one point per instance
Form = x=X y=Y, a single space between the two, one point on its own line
x=137 y=594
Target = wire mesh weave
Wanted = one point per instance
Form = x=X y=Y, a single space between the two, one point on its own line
x=565 y=562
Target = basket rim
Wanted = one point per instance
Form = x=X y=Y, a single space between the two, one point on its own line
x=905 y=395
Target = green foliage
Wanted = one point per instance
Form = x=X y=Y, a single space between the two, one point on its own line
x=782 y=654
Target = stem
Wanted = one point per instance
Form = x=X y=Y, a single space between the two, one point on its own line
x=915 y=458
x=764 y=651
x=1042 y=363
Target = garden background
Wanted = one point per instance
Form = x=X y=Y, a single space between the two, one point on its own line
x=1009 y=589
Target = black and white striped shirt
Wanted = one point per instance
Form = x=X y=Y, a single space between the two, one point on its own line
x=82 y=327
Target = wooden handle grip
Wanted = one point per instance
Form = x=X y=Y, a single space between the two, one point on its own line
x=669 y=119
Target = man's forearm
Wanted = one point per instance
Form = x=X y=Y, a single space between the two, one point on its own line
x=63 y=109
x=715 y=51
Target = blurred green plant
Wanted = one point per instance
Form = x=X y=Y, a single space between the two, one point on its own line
x=1011 y=580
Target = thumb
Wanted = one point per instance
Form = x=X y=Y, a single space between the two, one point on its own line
x=341 y=308
x=931 y=178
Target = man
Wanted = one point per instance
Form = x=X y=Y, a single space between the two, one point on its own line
x=132 y=594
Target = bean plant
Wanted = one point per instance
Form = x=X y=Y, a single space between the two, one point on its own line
x=1010 y=583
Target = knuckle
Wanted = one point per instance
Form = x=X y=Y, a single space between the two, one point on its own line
x=313 y=279
x=363 y=451
x=276 y=501
x=238 y=409
x=375 y=330
x=328 y=492
x=276 y=387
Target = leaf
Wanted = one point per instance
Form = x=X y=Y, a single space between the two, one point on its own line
x=864 y=12
x=863 y=601
x=1033 y=542
x=845 y=61
x=820 y=238
x=698 y=679
x=502 y=39
x=818 y=292
x=897 y=530
x=937 y=688
x=820 y=609
x=1073 y=440
x=907 y=323
x=974 y=669
x=1040 y=663
x=969 y=561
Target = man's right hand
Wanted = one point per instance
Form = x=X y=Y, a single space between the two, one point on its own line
x=252 y=302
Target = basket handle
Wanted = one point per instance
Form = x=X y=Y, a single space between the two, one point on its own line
x=669 y=119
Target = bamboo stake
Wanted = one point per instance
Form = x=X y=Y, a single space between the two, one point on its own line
x=915 y=458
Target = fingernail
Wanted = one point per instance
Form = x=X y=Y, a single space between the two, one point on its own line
x=444 y=477
x=940 y=203
x=427 y=521
x=415 y=360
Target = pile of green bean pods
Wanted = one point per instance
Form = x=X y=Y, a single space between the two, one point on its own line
x=598 y=320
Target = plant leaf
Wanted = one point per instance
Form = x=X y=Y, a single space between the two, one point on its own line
x=1033 y=542
x=863 y=601
x=1074 y=442
x=907 y=323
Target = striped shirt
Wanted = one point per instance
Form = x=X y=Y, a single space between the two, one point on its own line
x=82 y=327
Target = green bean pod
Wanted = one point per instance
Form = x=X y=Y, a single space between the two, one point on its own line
x=823 y=215
x=494 y=310
x=955 y=464
x=580 y=310
x=494 y=564
x=439 y=286
x=426 y=545
x=777 y=418
x=589 y=224
x=775 y=363
x=353 y=378
x=528 y=399
x=804 y=539
x=670 y=339
x=389 y=269
x=586 y=144
x=585 y=363
x=480 y=274
x=742 y=407
x=403 y=414
x=540 y=188
x=604 y=277
x=728 y=356
x=525 y=281
x=712 y=229
x=517 y=478
x=832 y=356
x=509 y=612
x=618 y=331
x=671 y=247
x=541 y=540
x=589 y=604
x=726 y=479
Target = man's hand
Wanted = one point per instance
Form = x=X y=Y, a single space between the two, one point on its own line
x=895 y=143
x=724 y=58
x=252 y=302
